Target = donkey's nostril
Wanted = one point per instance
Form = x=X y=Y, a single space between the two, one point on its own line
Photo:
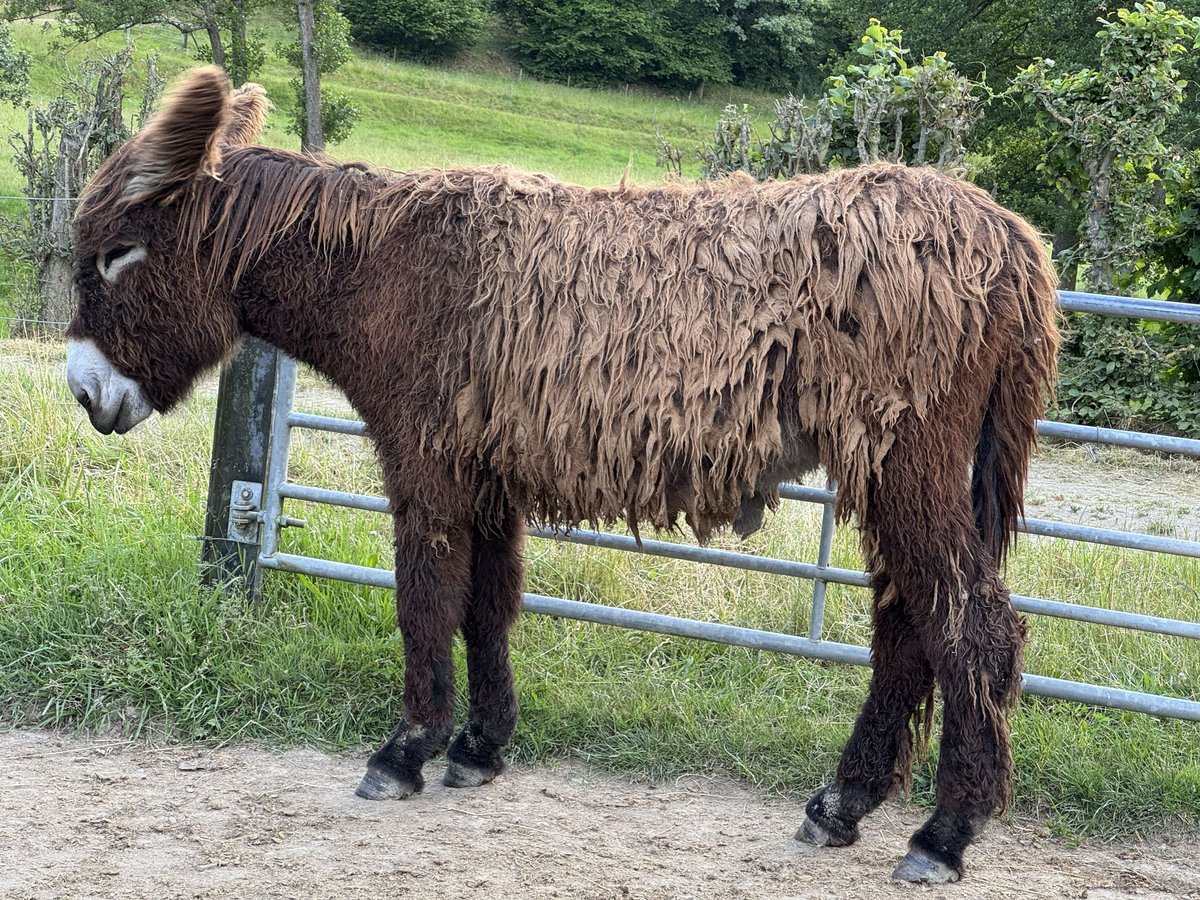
x=84 y=398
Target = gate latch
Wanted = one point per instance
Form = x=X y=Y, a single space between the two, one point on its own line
x=245 y=512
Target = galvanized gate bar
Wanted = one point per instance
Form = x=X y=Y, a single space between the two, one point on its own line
x=1137 y=440
x=311 y=494
x=750 y=638
x=816 y=621
x=1046 y=528
x=690 y=552
x=1130 y=540
x=821 y=573
x=277 y=461
x=327 y=423
x=1130 y=307
x=1098 y=615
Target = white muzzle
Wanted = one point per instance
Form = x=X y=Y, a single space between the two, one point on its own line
x=113 y=402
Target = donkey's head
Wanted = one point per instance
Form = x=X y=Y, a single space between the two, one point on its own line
x=153 y=312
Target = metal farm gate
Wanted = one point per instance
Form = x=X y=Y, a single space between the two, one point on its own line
x=255 y=504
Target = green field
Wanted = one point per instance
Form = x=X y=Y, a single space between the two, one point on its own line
x=102 y=625
x=417 y=116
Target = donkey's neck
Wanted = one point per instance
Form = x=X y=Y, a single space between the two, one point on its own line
x=374 y=318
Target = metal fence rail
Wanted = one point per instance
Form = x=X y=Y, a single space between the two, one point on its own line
x=278 y=489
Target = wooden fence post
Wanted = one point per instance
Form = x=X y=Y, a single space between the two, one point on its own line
x=241 y=445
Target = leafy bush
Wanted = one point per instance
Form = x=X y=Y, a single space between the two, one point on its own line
x=678 y=42
x=418 y=29
x=1122 y=373
x=879 y=107
x=589 y=41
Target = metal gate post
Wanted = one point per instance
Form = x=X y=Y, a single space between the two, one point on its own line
x=241 y=443
x=824 y=553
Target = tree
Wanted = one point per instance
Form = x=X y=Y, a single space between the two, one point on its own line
x=320 y=116
x=680 y=42
x=1105 y=126
x=62 y=147
x=14 y=70
x=85 y=20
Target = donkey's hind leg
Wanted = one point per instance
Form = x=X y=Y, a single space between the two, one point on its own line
x=477 y=752
x=977 y=654
x=922 y=518
x=877 y=760
x=433 y=564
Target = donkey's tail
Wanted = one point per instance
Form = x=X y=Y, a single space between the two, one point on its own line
x=1025 y=295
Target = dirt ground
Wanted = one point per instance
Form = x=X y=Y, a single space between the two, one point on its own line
x=96 y=818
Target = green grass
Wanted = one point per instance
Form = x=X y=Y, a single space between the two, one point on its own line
x=102 y=623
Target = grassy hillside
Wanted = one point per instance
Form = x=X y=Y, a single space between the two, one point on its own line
x=416 y=115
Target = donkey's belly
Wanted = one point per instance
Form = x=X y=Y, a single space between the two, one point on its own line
x=799 y=458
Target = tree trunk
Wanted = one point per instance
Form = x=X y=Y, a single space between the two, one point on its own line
x=314 y=137
x=1098 y=222
x=1068 y=273
x=214 y=42
x=58 y=266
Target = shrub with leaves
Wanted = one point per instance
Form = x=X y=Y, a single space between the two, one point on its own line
x=1104 y=127
x=879 y=107
x=416 y=29
x=62 y=146
x=1120 y=373
x=14 y=70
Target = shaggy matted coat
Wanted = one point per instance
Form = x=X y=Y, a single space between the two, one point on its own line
x=526 y=349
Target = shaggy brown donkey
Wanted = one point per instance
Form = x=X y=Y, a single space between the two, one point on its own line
x=524 y=349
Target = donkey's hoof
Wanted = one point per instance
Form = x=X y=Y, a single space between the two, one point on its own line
x=378 y=785
x=812 y=833
x=464 y=775
x=920 y=868
x=819 y=836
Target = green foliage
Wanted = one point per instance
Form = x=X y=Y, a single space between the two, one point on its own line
x=678 y=42
x=14 y=70
x=86 y=20
x=1118 y=373
x=1009 y=169
x=338 y=113
x=1171 y=266
x=879 y=107
x=586 y=41
x=416 y=29
x=1105 y=125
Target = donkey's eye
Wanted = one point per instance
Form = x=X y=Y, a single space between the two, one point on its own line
x=116 y=253
x=119 y=257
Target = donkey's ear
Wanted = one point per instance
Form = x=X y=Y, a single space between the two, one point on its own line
x=182 y=140
x=248 y=107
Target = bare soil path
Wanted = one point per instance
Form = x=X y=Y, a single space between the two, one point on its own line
x=110 y=818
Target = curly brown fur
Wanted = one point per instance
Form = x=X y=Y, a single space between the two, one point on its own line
x=523 y=349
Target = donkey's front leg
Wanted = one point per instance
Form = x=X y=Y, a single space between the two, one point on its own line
x=433 y=569
x=477 y=754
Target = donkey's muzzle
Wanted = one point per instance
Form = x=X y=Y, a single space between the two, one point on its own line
x=113 y=401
